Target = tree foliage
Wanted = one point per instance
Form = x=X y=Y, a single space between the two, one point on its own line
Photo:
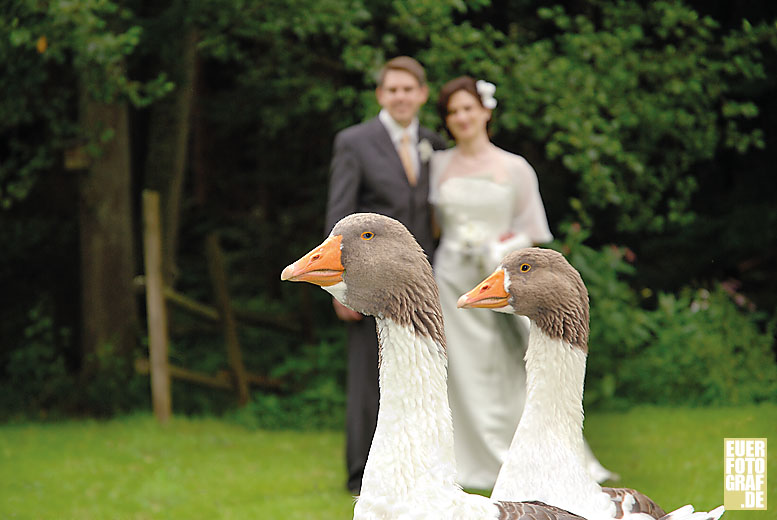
x=699 y=347
x=628 y=98
x=626 y=109
x=51 y=49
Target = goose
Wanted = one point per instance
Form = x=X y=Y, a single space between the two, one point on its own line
x=372 y=264
x=543 y=461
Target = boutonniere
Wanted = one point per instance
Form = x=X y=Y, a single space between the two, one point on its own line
x=425 y=150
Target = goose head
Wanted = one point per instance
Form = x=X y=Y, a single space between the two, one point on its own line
x=541 y=285
x=372 y=264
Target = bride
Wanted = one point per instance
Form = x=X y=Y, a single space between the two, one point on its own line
x=487 y=203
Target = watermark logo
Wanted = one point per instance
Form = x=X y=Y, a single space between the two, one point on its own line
x=744 y=462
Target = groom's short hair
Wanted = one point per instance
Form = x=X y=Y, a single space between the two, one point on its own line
x=404 y=63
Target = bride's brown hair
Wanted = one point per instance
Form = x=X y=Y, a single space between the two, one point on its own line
x=465 y=83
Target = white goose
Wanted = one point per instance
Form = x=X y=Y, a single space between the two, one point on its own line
x=544 y=460
x=372 y=264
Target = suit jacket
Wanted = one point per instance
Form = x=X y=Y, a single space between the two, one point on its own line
x=366 y=175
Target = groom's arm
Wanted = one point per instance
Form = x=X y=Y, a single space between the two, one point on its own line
x=344 y=181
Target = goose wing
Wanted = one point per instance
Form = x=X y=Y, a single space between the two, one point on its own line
x=642 y=502
x=533 y=511
x=687 y=513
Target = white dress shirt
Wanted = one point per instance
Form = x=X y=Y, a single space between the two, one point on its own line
x=395 y=131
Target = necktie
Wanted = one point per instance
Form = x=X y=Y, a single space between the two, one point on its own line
x=405 y=155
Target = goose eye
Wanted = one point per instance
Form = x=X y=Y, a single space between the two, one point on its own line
x=367 y=235
x=525 y=267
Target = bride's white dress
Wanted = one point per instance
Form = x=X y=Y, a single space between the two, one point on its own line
x=475 y=204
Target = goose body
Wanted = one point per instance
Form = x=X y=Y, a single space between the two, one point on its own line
x=373 y=265
x=545 y=458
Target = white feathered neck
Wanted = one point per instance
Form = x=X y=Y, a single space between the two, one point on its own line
x=545 y=458
x=410 y=472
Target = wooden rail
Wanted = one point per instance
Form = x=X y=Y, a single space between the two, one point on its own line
x=158 y=295
x=222 y=379
x=280 y=322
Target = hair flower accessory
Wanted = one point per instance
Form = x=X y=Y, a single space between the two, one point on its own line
x=486 y=91
x=425 y=150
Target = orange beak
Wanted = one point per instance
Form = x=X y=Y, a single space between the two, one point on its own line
x=321 y=266
x=489 y=294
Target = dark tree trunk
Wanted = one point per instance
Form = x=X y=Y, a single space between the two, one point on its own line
x=108 y=307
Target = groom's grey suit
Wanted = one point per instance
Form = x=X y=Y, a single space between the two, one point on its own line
x=367 y=176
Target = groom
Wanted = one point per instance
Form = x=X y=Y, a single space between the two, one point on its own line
x=380 y=166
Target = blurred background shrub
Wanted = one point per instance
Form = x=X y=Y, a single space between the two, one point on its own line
x=698 y=346
x=652 y=125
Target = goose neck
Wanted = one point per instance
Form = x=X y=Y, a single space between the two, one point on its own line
x=413 y=442
x=555 y=374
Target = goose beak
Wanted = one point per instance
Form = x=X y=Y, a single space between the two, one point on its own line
x=489 y=294
x=322 y=266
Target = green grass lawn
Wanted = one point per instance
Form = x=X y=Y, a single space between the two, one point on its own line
x=131 y=468
x=675 y=455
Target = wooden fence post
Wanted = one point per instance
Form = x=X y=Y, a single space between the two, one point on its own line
x=219 y=278
x=156 y=308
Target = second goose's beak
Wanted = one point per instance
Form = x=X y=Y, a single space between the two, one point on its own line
x=489 y=294
x=322 y=266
